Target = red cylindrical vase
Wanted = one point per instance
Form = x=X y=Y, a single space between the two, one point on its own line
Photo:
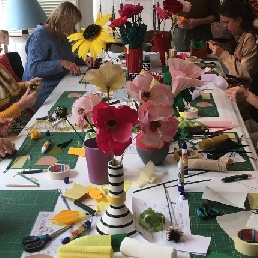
x=134 y=59
x=162 y=44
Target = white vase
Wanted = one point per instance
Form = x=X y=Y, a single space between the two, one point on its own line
x=117 y=219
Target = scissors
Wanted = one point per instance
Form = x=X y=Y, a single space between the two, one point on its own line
x=36 y=243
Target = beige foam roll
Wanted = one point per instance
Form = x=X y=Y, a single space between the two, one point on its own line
x=213 y=165
x=246 y=241
x=139 y=249
x=212 y=142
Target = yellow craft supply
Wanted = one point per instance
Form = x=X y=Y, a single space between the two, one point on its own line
x=76 y=192
x=210 y=143
x=206 y=95
x=189 y=112
x=116 y=200
x=95 y=194
x=88 y=246
x=77 y=151
x=192 y=154
x=68 y=217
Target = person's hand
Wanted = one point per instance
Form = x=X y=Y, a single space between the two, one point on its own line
x=237 y=93
x=5 y=125
x=34 y=81
x=72 y=67
x=27 y=100
x=215 y=48
x=187 y=23
x=6 y=147
x=89 y=61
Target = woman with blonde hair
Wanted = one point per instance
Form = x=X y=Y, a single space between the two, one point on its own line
x=49 y=54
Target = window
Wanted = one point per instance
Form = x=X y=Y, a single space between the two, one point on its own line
x=47 y=5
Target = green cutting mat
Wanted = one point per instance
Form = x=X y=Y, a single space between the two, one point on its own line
x=33 y=147
x=64 y=101
x=220 y=241
x=18 y=213
x=205 y=111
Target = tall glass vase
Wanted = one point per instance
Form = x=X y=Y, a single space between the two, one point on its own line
x=117 y=219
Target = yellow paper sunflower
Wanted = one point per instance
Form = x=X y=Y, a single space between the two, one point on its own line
x=108 y=77
x=93 y=39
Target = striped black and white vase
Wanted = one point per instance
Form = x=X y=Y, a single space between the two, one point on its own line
x=117 y=219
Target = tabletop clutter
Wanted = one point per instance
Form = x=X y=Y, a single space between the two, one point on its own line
x=100 y=223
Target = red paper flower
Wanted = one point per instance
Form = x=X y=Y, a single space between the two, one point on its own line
x=114 y=127
x=128 y=11
x=172 y=6
x=119 y=22
x=137 y=9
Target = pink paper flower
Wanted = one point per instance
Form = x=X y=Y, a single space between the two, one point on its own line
x=114 y=127
x=83 y=106
x=160 y=12
x=186 y=68
x=140 y=90
x=157 y=124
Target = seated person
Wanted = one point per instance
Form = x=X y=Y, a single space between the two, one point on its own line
x=5 y=145
x=49 y=54
x=15 y=97
x=242 y=57
x=242 y=94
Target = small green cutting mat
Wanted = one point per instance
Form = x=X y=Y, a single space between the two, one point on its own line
x=64 y=101
x=18 y=213
x=211 y=111
x=220 y=241
x=33 y=147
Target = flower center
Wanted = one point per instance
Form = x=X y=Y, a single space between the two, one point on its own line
x=92 y=32
x=80 y=111
x=146 y=95
x=112 y=124
x=154 y=125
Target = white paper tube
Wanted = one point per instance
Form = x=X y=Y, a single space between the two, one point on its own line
x=139 y=249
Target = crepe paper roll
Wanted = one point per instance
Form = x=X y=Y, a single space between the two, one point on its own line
x=189 y=112
x=192 y=154
x=230 y=179
x=213 y=165
x=246 y=241
x=210 y=143
x=116 y=200
x=139 y=249
x=58 y=171
x=216 y=124
x=76 y=151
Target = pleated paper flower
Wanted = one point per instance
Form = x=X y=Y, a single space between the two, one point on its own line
x=114 y=127
x=93 y=39
x=140 y=90
x=157 y=123
x=82 y=109
x=108 y=77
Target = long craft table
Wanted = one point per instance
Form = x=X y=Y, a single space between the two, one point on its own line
x=168 y=171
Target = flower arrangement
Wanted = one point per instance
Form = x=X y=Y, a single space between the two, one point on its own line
x=153 y=114
x=171 y=10
x=93 y=39
x=132 y=32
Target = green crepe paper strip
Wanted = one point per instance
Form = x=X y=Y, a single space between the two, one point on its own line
x=230 y=179
x=218 y=255
x=151 y=220
x=199 y=44
x=116 y=241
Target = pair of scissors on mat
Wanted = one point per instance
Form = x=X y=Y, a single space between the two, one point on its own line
x=36 y=243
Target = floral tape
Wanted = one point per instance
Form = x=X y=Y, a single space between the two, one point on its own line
x=246 y=241
x=192 y=154
x=58 y=171
x=116 y=200
x=189 y=112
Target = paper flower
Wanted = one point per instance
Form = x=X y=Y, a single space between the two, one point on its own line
x=157 y=124
x=140 y=90
x=93 y=38
x=220 y=82
x=114 y=127
x=83 y=106
x=108 y=77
